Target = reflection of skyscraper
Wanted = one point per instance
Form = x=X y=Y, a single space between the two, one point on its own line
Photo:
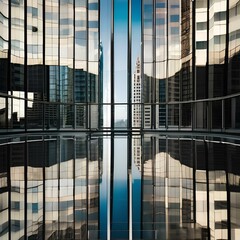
x=137 y=152
x=49 y=57
x=137 y=96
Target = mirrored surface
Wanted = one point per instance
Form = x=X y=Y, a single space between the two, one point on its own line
x=119 y=187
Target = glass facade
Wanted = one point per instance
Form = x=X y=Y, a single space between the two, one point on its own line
x=49 y=55
x=119 y=119
x=188 y=52
x=52 y=65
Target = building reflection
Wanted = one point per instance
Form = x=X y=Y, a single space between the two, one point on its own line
x=185 y=187
x=50 y=187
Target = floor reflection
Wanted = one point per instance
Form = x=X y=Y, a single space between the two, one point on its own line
x=121 y=187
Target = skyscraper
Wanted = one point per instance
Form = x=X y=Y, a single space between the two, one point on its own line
x=119 y=119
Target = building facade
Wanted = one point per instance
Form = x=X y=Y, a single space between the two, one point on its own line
x=78 y=163
x=189 y=55
x=49 y=55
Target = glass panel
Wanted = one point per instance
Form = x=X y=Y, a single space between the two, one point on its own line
x=147 y=115
x=201 y=115
x=35 y=70
x=4 y=193
x=66 y=224
x=17 y=174
x=217 y=114
x=233 y=176
x=51 y=189
x=147 y=30
x=201 y=186
x=94 y=116
x=81 y=189
x=66 y=116
x=162 y=115
x=136 y=146
x=120 y=120
x=52 y=49
x=80 y=82
x=3 y=112
x=119 y=222
x=93 y=83
x=66 y=50
x=120 y=51
x=147 y=188
x=4 y=44
x=81 y=113
x=186 y=159
x=35 y=115
x=93 y=188
x=18 y=112
x=17 y=46
x=217 y=46
x=233 y=85
x=147 y=83
x=173 y=115
x=93 y=31
x=137 y=115
x=217 y=190
x=228 y=113
x=51 y=116
x=186 y=115
x=174 y=51
x=237 y=112
x=201 y=49
x=161 y=83
x=35 y=190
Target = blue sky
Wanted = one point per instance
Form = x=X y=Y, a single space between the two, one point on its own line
x=120 y=47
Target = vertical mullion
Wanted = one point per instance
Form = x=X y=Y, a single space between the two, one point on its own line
x=74 y=184
x=194 y=179
x=25 y=65
x=153 y=153
x=167 y=63
x=58 y=99
x=208 y=198
x=228 y=196
x=25 y=187
x=193 y=51
x=87 y=66
x=45 y=87
x=73 y=80
x=129 y=184
x=9 y=190
x=99 y=101
x=44 y=186
x=153 y=78
x=207 y=64
x=129 y=117
x=58 y=154
x=112 y=65
x=129 y=68
x=99 y=175
x=88 y=148
x=9 y=85
x=111 y=180
x=141 y=62
x=194 y=93
x=225 y=83
x=142 y=182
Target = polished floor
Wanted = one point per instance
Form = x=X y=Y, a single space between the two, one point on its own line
x=89 y=186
